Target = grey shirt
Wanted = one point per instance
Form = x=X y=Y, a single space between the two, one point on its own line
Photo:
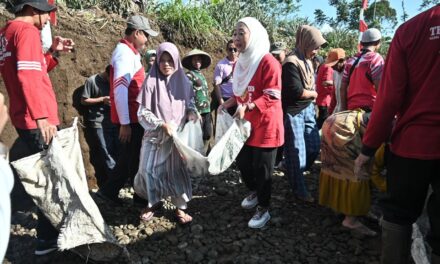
x=98 y=116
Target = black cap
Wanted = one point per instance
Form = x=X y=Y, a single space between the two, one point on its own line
x=41 y=5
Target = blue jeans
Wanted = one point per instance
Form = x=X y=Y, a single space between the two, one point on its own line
x=301 y=147
x=103 y=146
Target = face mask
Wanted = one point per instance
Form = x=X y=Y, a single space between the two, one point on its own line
x=46 y=36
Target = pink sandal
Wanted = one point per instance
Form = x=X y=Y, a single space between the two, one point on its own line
x=183 y=218
x=146 y=214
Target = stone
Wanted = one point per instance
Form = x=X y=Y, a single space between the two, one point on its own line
x=149 y=231
x=182 y=245
x=221 y=191
x=196 y=229
x=173 y=239
x=212 y=254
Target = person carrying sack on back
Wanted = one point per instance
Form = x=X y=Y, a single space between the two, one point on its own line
x=340 y=188
x=33 y=105
x=195 y=61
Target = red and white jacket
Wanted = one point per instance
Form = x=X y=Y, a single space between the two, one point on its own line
x=24 y=68
x=127 y=75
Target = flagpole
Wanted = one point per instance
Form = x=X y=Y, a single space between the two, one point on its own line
x=362 y=25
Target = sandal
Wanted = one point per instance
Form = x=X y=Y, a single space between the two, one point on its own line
x=182 y=217
x=307 y=199
x=146 y=214
x=360 y=228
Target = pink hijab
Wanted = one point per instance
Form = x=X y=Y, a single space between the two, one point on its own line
x=167 y=97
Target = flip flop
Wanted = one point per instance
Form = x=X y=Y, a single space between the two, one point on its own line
x=146 y=214
x=307 y=199
x=362 y=229
x=183 y=218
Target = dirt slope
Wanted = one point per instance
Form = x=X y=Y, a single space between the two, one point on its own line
x=95 y=33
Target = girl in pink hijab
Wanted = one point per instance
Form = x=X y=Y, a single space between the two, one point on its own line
x=166 y=102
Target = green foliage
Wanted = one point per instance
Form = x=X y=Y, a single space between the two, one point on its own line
x=405 y=15
x=379 y=14
x=341 y=38
x=122 y=7
x=428 y=4
x=268 y=12
x=286 y=30
x=188 y=24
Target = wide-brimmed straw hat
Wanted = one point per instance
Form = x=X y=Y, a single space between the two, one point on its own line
x=187 y=59
x=41 y=5
x=334 y=55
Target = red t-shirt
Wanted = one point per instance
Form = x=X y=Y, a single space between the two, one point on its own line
x=325 y=73
x=264 y=90
x=410 y=88
x=24 y=70
x=361 y=91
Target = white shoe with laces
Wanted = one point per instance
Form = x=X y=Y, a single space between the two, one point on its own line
x=250 y=201
x=260 y=218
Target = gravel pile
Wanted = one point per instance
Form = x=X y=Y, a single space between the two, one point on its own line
x=298 y=232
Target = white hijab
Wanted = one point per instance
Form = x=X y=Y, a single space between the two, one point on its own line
x=250 y=57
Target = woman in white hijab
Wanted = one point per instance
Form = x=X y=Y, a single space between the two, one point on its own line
x=257 y=91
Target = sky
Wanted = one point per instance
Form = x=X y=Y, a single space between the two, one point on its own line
x=309 y=6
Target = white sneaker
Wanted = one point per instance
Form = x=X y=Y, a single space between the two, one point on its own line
x=250 y=201
x=260 y=218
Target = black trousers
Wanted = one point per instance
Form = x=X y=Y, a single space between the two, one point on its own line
x=30 y=142
x=322 y=116
x=127 y=164
x=408 y=182
x=206 y=126
x=256 y=167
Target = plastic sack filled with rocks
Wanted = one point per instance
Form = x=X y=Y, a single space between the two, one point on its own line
x=230 y=136
x=56 y=181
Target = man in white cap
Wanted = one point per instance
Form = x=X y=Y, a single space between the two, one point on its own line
x=33 y=105
x=126 y=77
x=362 y=74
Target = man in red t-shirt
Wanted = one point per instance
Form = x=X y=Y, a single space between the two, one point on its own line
x=325 y=85
x=362 y=73
x=409 y=90
x=33 y=106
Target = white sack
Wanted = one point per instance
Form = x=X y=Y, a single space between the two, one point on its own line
x=231 y=134
x=56 y=181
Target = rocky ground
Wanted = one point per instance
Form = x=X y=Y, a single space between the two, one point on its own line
x=298 y=232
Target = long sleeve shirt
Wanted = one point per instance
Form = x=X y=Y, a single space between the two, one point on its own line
x=410 y=90
x=126 y=77
x=293 y=89
x=24 y=70
x=325 y=92
x=264 y=90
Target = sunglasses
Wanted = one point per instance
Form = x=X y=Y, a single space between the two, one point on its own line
x=232 y=49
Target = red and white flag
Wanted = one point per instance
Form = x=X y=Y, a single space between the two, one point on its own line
x=364 y=4
x=362 y=25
